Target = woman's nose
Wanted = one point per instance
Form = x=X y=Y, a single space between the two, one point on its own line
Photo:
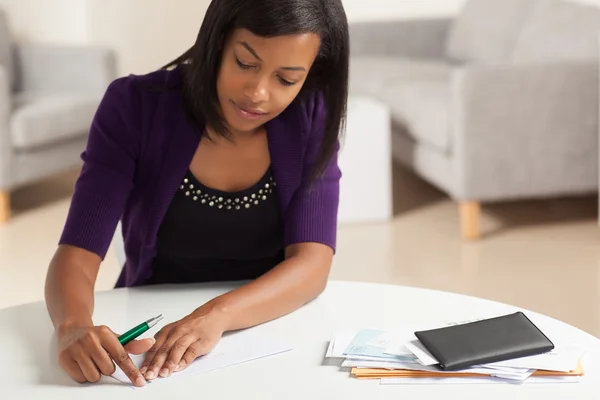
x=257 y=91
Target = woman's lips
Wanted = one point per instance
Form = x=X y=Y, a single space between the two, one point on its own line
x=246 y=113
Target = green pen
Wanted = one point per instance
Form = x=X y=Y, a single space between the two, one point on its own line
x=135 y=332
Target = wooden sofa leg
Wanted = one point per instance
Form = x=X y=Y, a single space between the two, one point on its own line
x=4 y=206
x=470 y=212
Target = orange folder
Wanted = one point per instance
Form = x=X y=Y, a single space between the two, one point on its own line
x=376 y=373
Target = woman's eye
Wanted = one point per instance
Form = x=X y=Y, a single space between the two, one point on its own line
x=286 y=82
x=242 y=65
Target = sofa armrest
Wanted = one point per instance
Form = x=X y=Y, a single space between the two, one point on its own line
x=525 y=130
x=420 y=38
x=43 y=68
x=6 y=148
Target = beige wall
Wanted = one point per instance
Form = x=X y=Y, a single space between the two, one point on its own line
x=392 y=9
x=149 y=33
x=360 y=10
x=48 y=21
x=146 y=33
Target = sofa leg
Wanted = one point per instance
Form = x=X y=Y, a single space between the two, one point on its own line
x=4 y=206
x=470 y=212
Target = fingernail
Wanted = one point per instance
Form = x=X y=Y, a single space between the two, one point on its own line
x=153 y=340
x=164 y=372
x=151 y=374
x=140 y=381
x=178 y=367
x=143 y=370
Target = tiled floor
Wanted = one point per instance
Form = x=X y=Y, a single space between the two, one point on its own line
x=540 y=255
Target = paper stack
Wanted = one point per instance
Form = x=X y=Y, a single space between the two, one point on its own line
x=397 y=357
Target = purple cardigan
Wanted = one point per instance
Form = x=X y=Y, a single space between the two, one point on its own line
x=139 y=148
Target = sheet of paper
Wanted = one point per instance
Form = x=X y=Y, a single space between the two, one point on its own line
x=520 y=374
x=415 y=366
x=395 y=340
x=359 y=347
x=439 y=381
x=508 y=373
x=338 y=344
x=233 y=349
x=475 y=381
x=417 y=348
x=367 y=358
x=385 y=339
x=514 y=376
x=562 y=359
x=341 y=342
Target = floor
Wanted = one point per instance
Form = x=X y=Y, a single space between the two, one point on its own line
x=539 y=255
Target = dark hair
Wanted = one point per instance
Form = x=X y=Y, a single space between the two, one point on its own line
x=269 y=18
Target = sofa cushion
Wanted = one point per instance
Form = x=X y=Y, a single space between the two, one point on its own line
x=559 y=30
x=370 y=74
x=487 y=30
x=417 y=92
x=422 y=108
x=38 y=120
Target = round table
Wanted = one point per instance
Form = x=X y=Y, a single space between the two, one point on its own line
x=29 y=367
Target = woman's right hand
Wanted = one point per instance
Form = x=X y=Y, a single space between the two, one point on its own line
x=87 y=352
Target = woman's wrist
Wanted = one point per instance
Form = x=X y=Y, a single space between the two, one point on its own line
x=218 y=311
x=74 y=322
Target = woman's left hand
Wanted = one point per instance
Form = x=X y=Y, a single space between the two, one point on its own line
x=178 y=344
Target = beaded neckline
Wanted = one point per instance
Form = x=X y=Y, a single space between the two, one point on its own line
x=232 y=201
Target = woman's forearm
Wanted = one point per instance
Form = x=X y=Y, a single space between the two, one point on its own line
x=69 y=288
x=287 y=287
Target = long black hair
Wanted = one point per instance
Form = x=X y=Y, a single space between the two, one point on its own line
x=269 y=18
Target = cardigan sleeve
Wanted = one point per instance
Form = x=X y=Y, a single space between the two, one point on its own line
x=106 y=178
x=313 y=210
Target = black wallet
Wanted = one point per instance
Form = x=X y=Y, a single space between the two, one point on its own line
x=486 y=341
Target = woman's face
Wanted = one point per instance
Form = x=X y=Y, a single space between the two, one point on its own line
x=260 y=77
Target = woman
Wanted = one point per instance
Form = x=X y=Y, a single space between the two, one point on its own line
x=222 y=166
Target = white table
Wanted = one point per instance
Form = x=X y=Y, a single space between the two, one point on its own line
x=29 y=366
x=365 y=160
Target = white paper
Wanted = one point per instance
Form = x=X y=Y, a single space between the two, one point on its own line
x=390 y=365
x=561 y=359
x=417 y=348
x=385 y=340
x=233 y=349
x=367 y=358
x=518 y=375
x=399 y=349
x=339 y=343
x=329 y=351
x=476 y=381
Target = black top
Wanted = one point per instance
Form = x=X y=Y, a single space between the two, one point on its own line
x=209 y=235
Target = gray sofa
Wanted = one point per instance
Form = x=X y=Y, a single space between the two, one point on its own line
x=499 y=103
x=48 y=96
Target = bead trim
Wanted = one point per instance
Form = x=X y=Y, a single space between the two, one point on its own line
x=234 y=202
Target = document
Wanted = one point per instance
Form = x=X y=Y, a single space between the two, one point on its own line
x=561 y=359
x=416 y=348
x=339 y=343
x=360 y=347
x=384 y=340
x=477 y=381
x=233 y=349
x=398 y=357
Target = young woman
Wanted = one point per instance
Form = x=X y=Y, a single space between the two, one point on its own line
x=222 y=166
